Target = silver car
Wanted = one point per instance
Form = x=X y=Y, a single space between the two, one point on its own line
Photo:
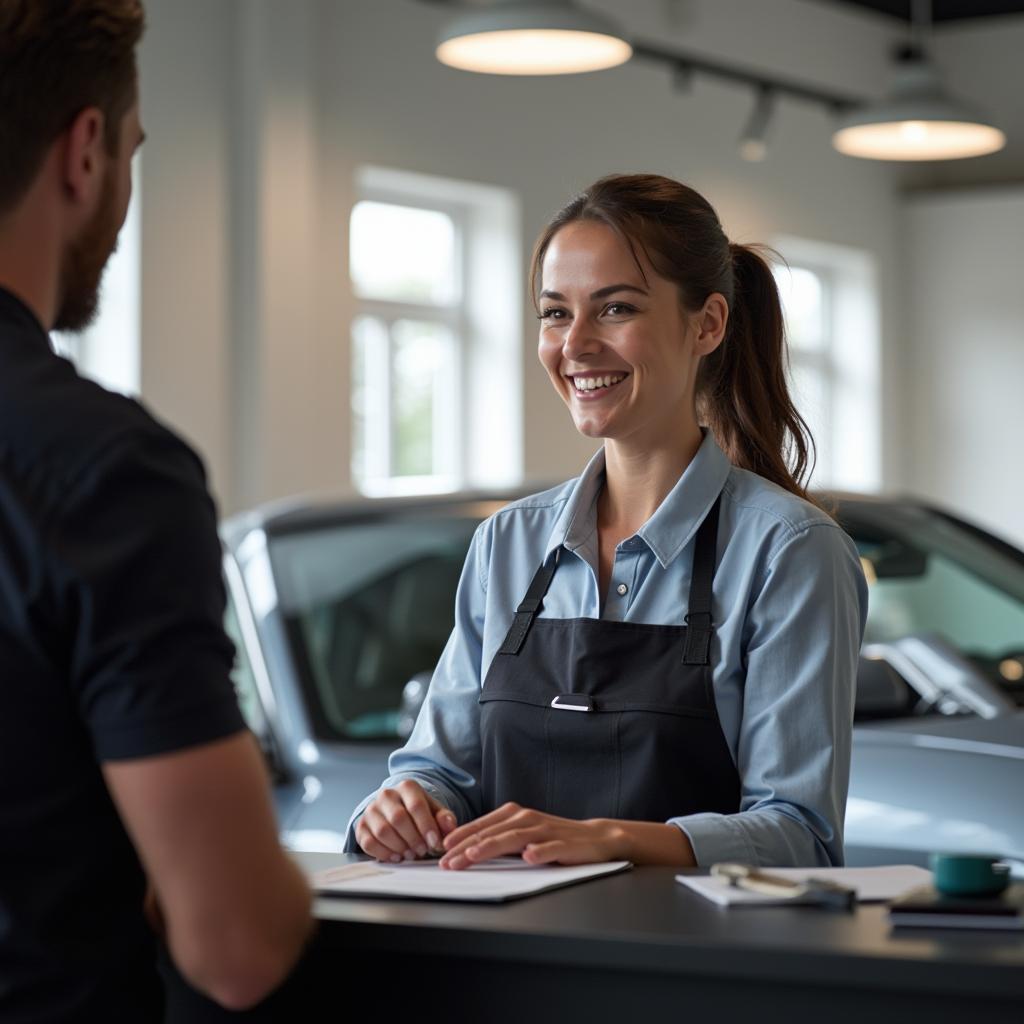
x=340 y=612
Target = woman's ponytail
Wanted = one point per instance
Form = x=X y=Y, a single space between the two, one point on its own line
x=742 y=391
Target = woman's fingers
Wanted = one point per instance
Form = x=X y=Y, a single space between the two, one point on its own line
x=377 y=838
x=502 y=843
x=420 y=808
x=556 y=851
x=495 y=817
x=539 y=838
x=403 y=823
x=447 y=822
x=391 y=805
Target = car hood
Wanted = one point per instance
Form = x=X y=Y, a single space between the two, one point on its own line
x=1000 y=737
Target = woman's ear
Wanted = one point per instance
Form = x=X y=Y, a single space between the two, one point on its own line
x=711 y=324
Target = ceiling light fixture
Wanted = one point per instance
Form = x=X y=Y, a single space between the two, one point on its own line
x=918 y=119
x=535 y=37
x=753 y=145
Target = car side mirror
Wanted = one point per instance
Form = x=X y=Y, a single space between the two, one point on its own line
x=893 y=559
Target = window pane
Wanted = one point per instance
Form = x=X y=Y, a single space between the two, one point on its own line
x=402 y=253
x=370 y=398
x=421 y=371
x=803 y=305
x=809 y=390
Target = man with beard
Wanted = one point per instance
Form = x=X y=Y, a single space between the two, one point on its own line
x=126 y=773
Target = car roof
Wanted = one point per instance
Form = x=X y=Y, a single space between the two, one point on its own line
x=312 y=513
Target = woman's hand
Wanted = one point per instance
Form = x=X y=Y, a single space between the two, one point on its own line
x=403 y=823
x=540 y=838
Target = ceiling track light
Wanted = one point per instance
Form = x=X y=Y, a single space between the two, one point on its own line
x=917 y=120
x=753 y=144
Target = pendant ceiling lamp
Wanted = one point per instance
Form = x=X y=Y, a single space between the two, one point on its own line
x=918 y=119
x=535 y=37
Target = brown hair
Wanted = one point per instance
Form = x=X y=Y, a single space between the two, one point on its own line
x=742 y=395
x=58 y=57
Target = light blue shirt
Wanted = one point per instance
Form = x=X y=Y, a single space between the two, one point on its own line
x=789 y=606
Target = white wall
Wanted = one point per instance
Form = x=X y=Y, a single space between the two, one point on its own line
x=965 y=256
x=260 y=111
x=186 y=249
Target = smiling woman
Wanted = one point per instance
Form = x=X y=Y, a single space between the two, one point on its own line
x=653 y=662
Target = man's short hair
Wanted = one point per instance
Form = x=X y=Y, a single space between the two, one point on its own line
x=58 y=57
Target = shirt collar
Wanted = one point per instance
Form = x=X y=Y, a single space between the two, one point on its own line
x=674 y=523
x=15 y=310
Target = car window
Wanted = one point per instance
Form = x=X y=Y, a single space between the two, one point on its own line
x=928 y=575
x=367 y=607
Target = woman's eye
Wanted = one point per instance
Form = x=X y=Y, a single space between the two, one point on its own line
x=552 y=314
x=619 y=309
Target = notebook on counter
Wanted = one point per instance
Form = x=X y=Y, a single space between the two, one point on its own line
x=875 y=884
x=925 y=908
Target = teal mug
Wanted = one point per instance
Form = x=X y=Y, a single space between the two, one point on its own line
x=969 y=874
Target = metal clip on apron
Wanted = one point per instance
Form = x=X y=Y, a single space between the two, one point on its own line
x=648 y=745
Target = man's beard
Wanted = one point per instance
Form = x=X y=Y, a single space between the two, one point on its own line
x=82 y=267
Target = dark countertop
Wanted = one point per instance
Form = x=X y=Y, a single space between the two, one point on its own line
x=643 y=920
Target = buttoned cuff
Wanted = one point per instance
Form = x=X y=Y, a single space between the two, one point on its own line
x=716 y=838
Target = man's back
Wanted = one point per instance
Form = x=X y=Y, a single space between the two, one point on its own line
x=125 y=770
x=111 y=648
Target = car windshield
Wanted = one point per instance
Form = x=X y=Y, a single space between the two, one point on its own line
x=368 y=606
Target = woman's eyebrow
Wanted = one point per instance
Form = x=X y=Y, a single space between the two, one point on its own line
x=601 y=293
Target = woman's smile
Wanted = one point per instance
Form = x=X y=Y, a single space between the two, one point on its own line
x=592 y=387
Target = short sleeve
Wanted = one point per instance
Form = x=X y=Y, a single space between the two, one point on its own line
x=138 y=577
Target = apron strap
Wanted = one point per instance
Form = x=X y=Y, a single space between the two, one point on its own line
x=529 y=607
x=699 y=627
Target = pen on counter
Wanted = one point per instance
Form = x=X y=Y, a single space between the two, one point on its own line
x=814 y=891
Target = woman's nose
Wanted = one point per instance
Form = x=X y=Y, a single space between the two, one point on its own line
x=580 y=338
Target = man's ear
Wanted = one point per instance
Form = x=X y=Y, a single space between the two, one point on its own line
x=84 y=157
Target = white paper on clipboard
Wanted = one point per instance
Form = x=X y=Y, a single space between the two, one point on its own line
x=492 y=882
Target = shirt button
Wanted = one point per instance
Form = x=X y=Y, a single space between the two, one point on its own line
x=622 y=590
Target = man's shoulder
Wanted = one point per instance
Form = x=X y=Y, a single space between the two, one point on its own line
x=58 y=427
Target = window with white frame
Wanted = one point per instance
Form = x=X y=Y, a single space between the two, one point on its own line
x=829 y=298
x=427 y=257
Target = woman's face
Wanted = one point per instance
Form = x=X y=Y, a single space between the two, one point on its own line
x=619 y=347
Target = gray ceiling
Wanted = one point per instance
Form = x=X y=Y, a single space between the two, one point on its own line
x=942 y=10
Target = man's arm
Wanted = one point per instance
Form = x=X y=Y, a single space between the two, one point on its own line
x=236 y=908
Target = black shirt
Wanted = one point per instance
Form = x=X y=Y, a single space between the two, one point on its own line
x=111 y=647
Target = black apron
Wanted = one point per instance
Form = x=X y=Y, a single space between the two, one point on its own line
x=586 y=718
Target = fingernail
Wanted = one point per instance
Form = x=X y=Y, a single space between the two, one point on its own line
x=395 y=859
x=409 y=855
x=421 y=850
x=432 y=841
